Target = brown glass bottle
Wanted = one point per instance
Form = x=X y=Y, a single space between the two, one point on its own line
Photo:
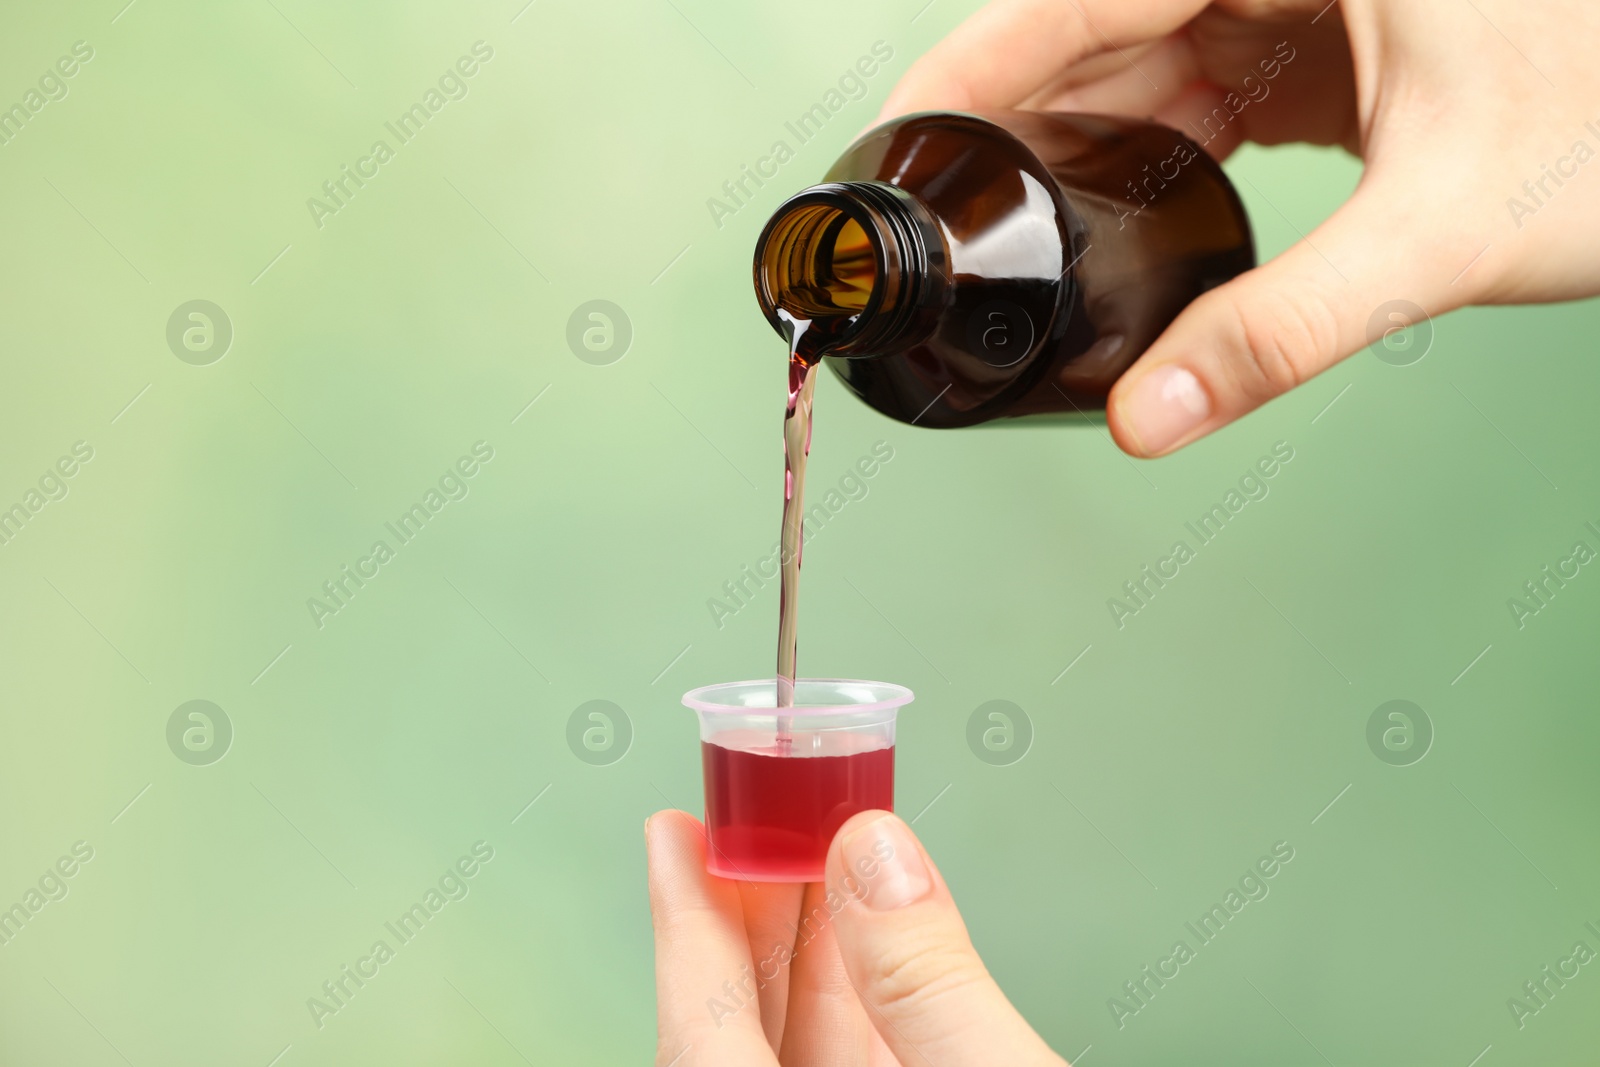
x=956 y=268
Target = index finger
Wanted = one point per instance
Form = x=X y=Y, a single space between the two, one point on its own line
x=705 y=986
x=1011 y=49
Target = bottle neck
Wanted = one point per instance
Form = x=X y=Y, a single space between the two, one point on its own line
x=849 y=269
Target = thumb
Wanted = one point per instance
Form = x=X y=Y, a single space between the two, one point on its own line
x=1285 y=322
x=906 y=952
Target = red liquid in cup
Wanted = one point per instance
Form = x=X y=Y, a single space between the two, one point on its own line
x=772 y=818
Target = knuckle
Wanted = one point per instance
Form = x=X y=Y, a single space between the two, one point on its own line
x=1283 y=338
x=911 y=979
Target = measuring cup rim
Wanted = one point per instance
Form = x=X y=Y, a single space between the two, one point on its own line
x=891 y=696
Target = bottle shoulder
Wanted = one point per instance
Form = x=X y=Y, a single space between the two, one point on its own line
x=999 y=209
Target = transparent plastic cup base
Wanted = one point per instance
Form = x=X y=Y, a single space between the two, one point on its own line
x=779 y=782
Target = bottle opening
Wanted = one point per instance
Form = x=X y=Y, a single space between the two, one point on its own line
x=819 y=268
x=840 y=267
x=819 y=263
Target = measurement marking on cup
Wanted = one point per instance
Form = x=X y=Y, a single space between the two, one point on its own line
x=1331 y=803
x=930 y=804
x=530 y=804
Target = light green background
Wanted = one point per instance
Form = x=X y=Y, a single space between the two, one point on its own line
x=425 y=716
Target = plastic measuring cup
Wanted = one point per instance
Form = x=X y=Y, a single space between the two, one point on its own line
x=779 y=782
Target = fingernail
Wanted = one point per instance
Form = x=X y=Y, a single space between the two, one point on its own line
x=884 y=857
x=1166 y=405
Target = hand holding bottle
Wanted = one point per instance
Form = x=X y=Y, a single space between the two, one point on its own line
x=1476 y=122
x=872 y=967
